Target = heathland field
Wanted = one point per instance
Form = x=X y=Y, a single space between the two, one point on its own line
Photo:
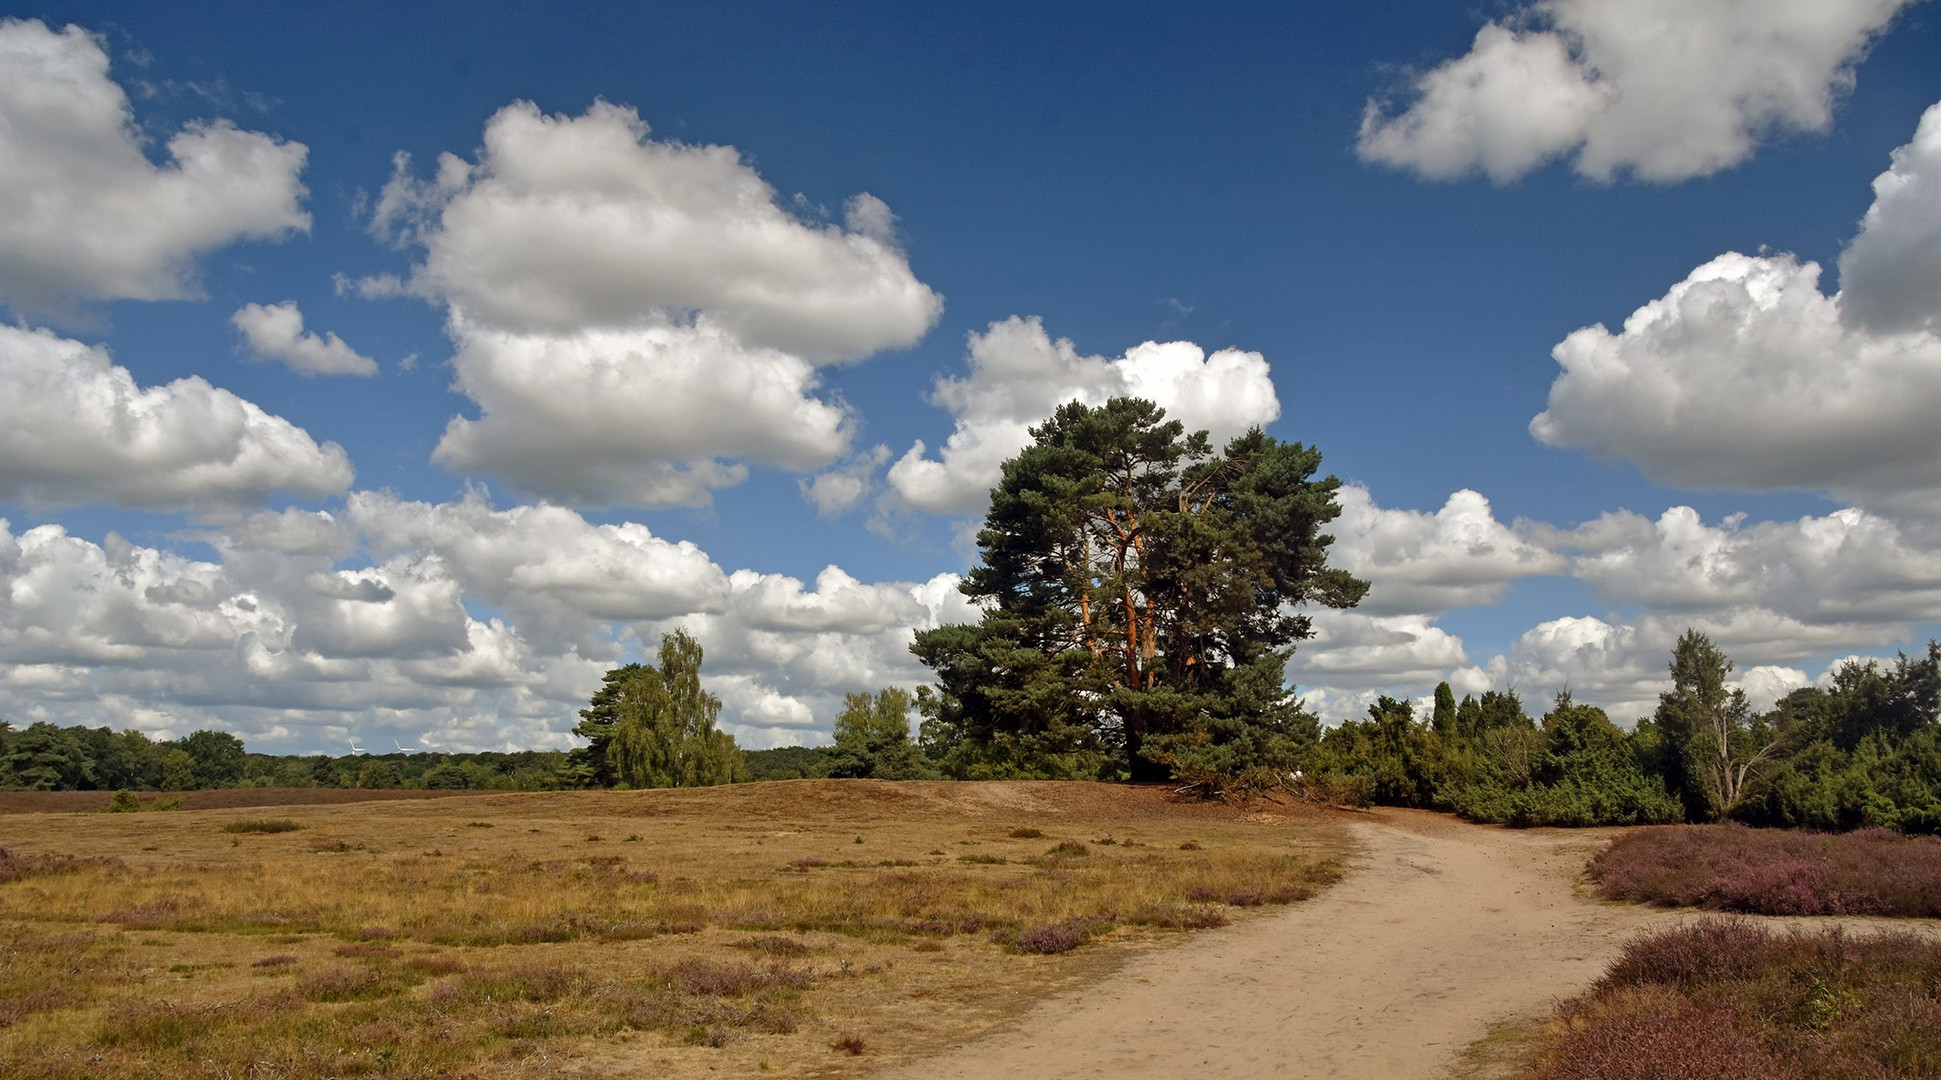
x=793 y=928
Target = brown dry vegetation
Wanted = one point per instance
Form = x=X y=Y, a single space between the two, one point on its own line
x=796 y=928
x=1726 y=999
x=1774 y=871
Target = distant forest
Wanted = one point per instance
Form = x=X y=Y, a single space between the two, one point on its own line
x=47 y=757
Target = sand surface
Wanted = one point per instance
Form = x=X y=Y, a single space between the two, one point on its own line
x=1441 y=931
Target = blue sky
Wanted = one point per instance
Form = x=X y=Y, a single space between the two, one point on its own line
x=658 y=344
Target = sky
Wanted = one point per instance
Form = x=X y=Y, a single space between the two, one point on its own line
x=392 y=371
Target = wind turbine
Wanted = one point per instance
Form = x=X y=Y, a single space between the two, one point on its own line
x=356 y=749
x=404 y=749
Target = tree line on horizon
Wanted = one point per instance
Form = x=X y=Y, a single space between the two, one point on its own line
x=49 y=757
x=1141 y=592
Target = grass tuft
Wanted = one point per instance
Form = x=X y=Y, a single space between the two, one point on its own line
x=772 y=945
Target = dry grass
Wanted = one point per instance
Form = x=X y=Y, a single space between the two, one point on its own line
x=794 y=928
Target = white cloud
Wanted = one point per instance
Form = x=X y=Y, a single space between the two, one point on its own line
x=75 y=428
x=559 y=576
x=1664 y=89
x=1357 y=651
x=1019 y=375
x=1772 y=594
x=637 y=318
x=1745 y=376
x=1425 y=564
x=1890 y=276
x=1765 y=684
x=1844 y=567
x=407 y=608
x=275 y=332
x=841 y=489
x=640 y=416
x=566 y=223
x=1515 y=101
x=276 y=643
x=85 y=216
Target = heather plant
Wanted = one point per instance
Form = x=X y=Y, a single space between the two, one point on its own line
x=1049 y=938
x=1728 y=998
x=1773 y=872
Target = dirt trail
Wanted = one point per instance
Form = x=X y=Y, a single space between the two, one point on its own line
x=1441 y=931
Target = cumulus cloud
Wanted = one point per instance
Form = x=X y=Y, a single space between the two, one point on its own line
x=775 y=646
x=1019 y=375
x=1748 y=375
x=790 y=653
x=1844 y=567
x=650 y=415
x=560 y=577
x=1890 y=275
x=275 y=332
x=567 y=222
x=838 y=490
x=637 y=318
x=1773 y=594
x=75 y=428
x=84 y=215
x=1666 y=90
x=1422 y=563
x=1359 y=651
x=1745 y=376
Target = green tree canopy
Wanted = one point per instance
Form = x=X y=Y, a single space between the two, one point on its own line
x=1709 y=742
x=655 y=727
x=1142 y=595
x=873 y=738
x=218 y=757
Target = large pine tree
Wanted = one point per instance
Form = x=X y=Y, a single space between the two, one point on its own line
x=1142 y=595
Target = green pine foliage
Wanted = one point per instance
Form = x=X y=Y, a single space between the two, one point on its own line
x=1488 y=761
x=1863 y=752
x=1140 y=591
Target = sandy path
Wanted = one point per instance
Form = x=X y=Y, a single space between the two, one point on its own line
x=1442 y=930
